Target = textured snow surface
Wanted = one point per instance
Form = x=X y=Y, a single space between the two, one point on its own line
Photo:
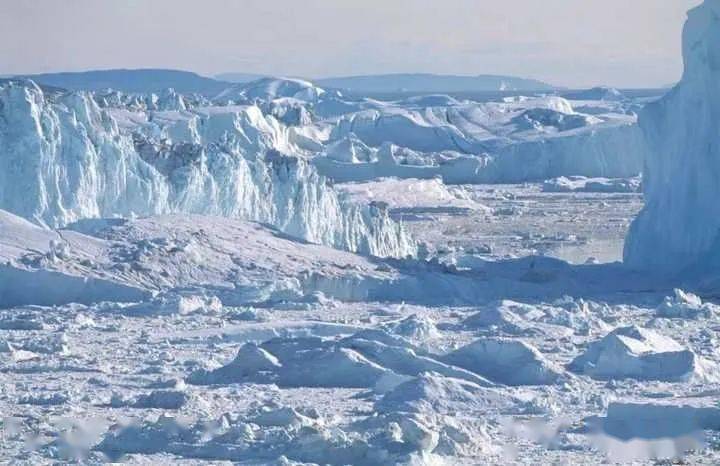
x=216 y=340
x=632 y=352
x=242 y=261
x=182 y=281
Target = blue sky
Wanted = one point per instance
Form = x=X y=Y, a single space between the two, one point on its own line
x=624 y=43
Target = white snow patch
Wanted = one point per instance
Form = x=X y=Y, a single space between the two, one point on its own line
x=510 y=362
x=639 y=353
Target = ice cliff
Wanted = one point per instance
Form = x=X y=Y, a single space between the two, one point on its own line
x=679 y=225
x=531 y=139
x=63 y=158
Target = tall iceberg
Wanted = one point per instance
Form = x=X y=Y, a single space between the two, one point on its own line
x=679 y=228
x=63 y=158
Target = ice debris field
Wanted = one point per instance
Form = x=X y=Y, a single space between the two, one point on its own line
x=280 y=274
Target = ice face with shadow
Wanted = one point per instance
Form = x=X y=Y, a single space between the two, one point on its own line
x=64 y=159
x=680 y=224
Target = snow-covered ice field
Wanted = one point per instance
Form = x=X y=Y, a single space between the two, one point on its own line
x=255 y=348
x=280 y=274
x=350 y=367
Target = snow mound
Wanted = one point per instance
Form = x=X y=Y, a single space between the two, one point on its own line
x=308 y=362
x=158 y=399
x=563 y=317
x=433 y=393
x=174 y=304
x=510 y=362
x=415 y=327
x=282 y=417
x=372 y=359
x=683 y=305
x=638 y=353
x=678 y=228
x=497 y=319
x=554 y=103
x=404 y=359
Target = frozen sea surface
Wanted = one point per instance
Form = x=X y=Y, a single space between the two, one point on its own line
x=502 y=221
x=284 y=275
x=319 y=357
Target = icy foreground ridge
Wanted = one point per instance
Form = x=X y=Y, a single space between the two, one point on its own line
x=679 y=226
x=62 y=159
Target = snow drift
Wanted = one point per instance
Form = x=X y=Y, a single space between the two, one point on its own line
x=491 y=358
x=126 y=260
x=639 y=353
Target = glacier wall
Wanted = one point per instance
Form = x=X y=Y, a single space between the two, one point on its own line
x=611 y=151
x=62 y=158
x=533 y=139
x=680 y=224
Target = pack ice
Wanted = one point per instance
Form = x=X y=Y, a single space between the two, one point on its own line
x=283 y=274
x=527 y=138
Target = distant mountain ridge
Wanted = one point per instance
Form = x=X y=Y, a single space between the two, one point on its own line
x=419 y=82
x=133 y=81
x=156 y=80
x=239 y=78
